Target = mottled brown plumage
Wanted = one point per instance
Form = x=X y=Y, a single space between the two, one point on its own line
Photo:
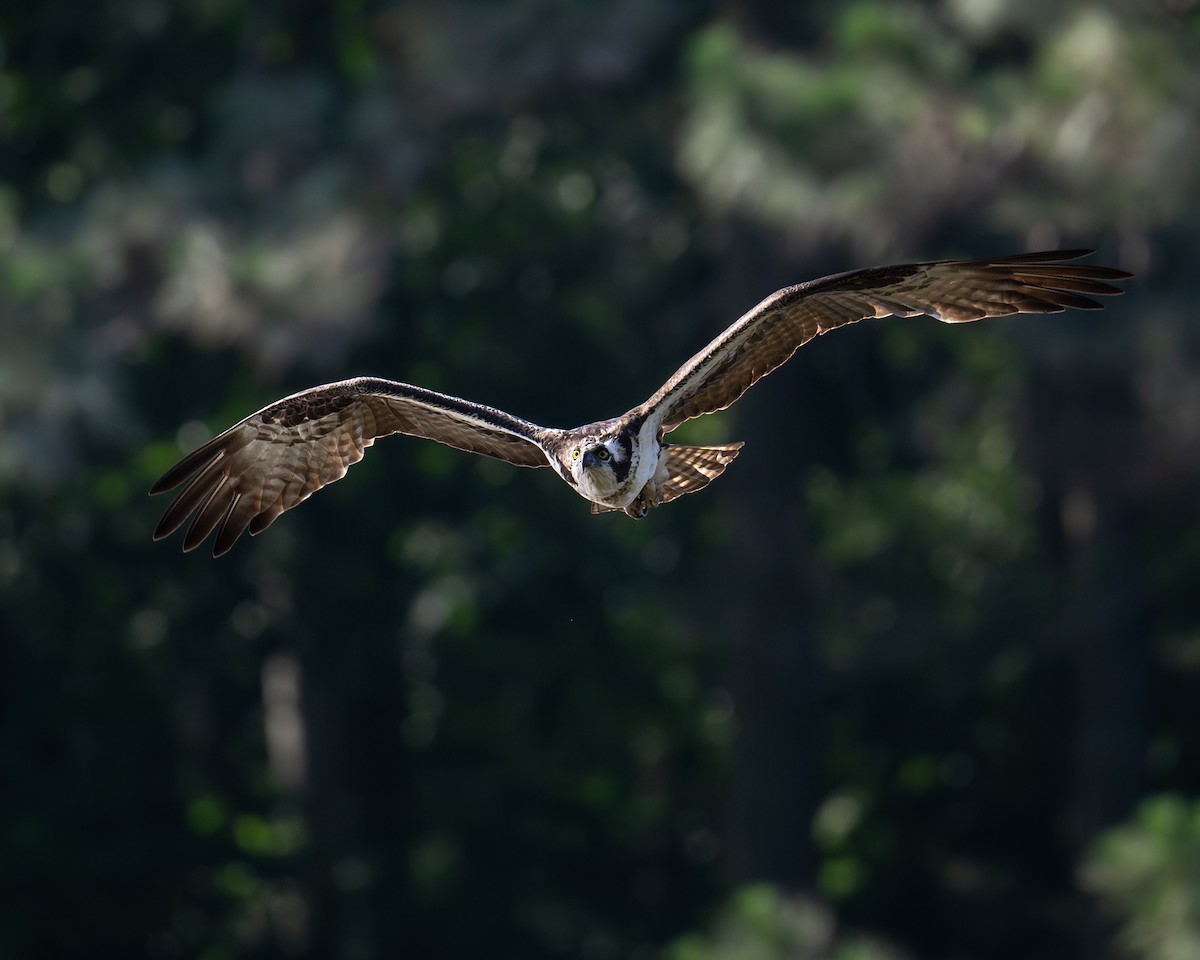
x=276 y=458
x=954 y=291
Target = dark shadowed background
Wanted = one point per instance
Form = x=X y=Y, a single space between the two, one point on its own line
x=919 y=677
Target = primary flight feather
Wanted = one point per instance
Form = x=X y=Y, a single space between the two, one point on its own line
x=281 y=455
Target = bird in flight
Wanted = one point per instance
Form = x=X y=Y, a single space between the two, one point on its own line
x=287 y=451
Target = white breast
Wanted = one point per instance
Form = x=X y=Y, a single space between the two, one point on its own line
x=646 y=467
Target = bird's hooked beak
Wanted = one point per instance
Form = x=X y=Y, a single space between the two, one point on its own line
x=590 y=459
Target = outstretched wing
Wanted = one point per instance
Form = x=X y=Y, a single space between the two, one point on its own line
x=278 y=457
x=953 y=291
x=689 y=469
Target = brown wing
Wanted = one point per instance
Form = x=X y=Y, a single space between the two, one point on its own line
x=953 y=291
x=690 y=469
x=278 y=457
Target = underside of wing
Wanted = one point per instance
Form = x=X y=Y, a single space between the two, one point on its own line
x=690 y=469
x=281 y=455
x=953 y=291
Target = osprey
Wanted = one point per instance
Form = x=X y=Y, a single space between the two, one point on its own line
x=278 y=457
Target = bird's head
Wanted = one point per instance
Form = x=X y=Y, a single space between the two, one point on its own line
x=601 y=465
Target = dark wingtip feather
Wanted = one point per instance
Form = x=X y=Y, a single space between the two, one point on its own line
x=228 y=532
x=216 y=506
x=163 y=530
x=1043 y=262
x=175 y=515
x=1059 y=285
x=182 y=470
x=1045 y=256
x=194 y=495
x=1063 y=299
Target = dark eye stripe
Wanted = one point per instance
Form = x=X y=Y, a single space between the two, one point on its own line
x=623 y=461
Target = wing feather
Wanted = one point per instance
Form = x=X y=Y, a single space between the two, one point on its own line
x=281 y=455
x=690 y=469
x=953 y=291
x=214 y=509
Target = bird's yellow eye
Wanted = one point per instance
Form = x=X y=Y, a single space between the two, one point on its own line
x=602 y=453
x=575 y=454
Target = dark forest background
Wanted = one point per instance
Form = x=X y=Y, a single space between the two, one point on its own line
x=919 y=677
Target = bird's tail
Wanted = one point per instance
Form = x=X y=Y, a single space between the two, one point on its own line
x=693 y=468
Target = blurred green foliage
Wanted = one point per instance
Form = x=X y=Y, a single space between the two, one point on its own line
x=878 y=691
x=761 y=924
x=1148 y=873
